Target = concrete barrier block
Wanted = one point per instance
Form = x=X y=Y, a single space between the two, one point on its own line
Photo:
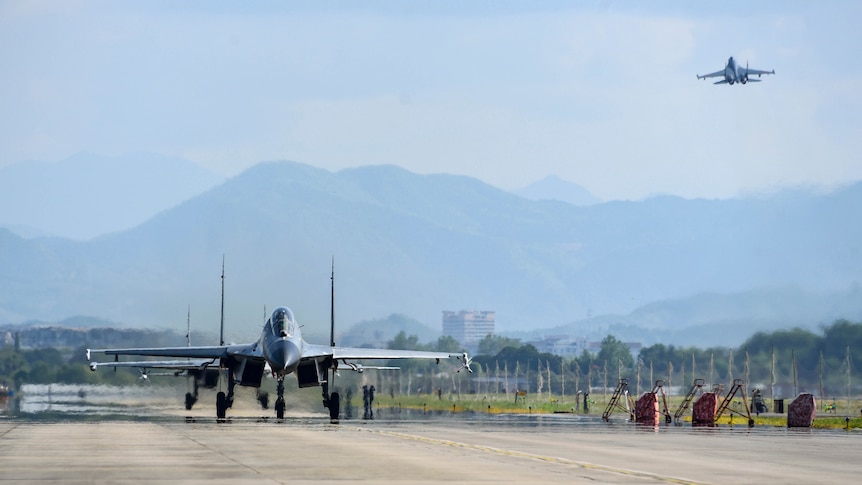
x=801 y=412
x=646 y=409
x=703 y=412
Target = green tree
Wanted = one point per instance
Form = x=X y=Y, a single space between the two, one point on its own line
x=50 y=357
x=447 y=343
x=839 y=335
x=584 y=362
x=41 y=373
x=493 y=344
x=525 y=355
x=75 y=374
x=404 y=342
x=613 y=351
x=11 y=363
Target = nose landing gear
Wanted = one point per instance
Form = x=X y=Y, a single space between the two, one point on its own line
x=279 y=401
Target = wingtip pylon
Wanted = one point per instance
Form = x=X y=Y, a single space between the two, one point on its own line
x=465 y=363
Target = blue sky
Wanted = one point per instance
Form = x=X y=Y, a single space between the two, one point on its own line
x=600 y=93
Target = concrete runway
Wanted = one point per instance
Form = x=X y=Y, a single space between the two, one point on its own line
x=480 y=449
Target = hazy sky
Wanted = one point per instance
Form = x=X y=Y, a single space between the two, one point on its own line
x=600 y=93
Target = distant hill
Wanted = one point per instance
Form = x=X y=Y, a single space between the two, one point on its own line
x=87 y=195
x=713 y=319
x=418 y=244
x=555 y=188
x=63 y=337
x=26 y=232
x=379 y=332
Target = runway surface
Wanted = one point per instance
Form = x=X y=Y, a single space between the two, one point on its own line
x=418 y=449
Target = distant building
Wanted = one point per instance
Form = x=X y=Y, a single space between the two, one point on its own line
x=566 y=346
x=561 y=345
x=468 y=327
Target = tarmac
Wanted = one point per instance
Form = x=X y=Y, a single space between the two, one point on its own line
x=417 y=449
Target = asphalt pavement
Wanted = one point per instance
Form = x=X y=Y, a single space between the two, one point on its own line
x=417 y=449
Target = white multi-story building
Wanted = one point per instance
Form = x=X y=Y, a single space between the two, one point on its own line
x=468 y=327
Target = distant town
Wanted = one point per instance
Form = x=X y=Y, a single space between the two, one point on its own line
x=469 y=327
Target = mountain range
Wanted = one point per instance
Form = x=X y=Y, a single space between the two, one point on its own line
x=419 y=244
x=87 y=195
x=555 y=188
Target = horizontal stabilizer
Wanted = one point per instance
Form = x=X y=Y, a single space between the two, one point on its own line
x=723 y=81
x=755 y=80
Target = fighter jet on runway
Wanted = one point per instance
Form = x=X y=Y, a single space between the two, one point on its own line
x=279 y=350
x=733 y=73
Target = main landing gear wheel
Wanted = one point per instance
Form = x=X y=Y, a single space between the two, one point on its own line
x=221 y=405
x=334 y=407
x=192 y=397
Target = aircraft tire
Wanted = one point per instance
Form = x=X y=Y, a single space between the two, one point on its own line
x=334 y=406
x=279 y=408
x=221 y=405
x=190 y=401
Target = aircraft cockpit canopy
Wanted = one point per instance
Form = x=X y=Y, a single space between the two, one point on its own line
x=283 y=323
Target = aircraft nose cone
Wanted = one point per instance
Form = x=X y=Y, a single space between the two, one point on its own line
x=283 y=356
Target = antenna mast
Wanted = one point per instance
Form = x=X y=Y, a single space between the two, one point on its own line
x=332 y=305
x=221 y=332
x=189 y=327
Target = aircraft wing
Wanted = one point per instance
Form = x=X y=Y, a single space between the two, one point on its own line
x=354 y=353
x=312 y=351
x=712 y=74
x=213 y=352
x=758 y=72
x=198 y=364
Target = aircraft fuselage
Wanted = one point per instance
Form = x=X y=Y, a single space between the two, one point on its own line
x=281 y=342
x=731 y=75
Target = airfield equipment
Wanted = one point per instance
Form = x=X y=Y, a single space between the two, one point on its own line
x=659 y=388
x=738 y=387
x=620 y=394
x=695 y=387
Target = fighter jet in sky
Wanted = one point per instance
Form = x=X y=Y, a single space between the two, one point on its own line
x=733 y=73
x=280 y=350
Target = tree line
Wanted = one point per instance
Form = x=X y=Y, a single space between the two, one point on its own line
x=53 y=366
x=793 y=361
